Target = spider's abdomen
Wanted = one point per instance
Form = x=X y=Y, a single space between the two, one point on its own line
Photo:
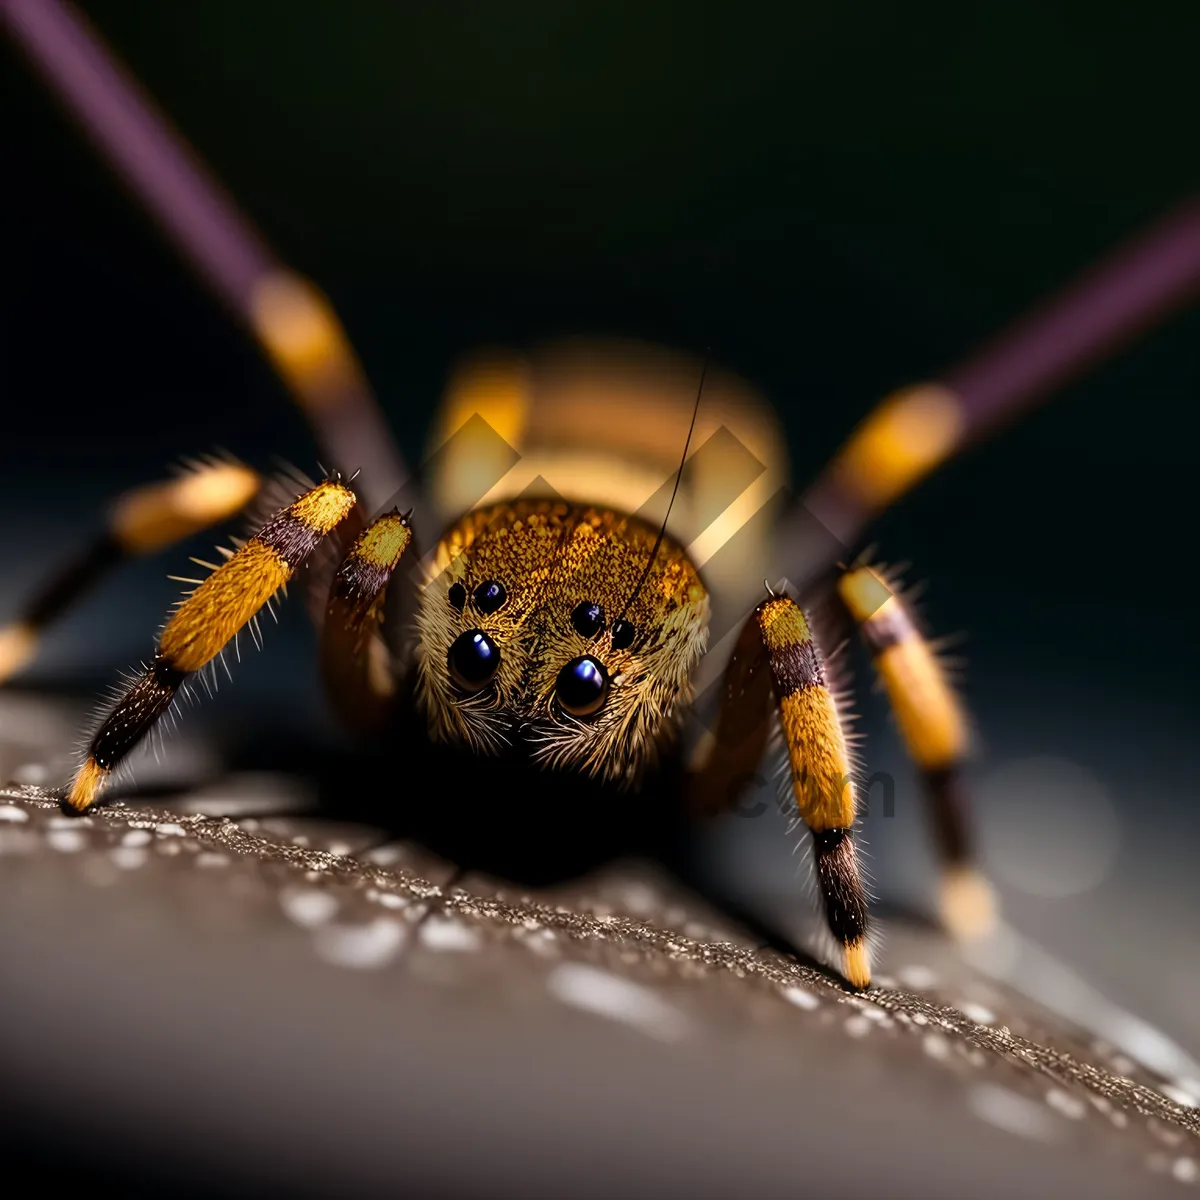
x=541 y=628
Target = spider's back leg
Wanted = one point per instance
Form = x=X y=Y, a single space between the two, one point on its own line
x=934 y=729
x=140 y=522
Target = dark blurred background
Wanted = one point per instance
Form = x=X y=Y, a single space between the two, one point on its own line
x=837 y=199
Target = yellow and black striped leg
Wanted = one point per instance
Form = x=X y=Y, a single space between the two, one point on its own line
x=356 y=664
x=934 y=729
x=203 y=624
x=142 y=521
x=821 y=775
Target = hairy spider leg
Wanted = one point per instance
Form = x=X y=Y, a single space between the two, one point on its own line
x=821 y=775
x=204 y=622
x=934 y=728
x=142 y=521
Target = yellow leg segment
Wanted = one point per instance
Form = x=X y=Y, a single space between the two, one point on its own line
x=933 y=727
x=821 y=774
x=204 y=623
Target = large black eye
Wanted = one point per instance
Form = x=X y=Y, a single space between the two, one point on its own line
x=582 y=687
x=587 y=618
x=622 y=635
x=473 y=660
x=490 y=596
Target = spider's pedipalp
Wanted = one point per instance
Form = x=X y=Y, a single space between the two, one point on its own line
x=200 y=628
x=354 y=658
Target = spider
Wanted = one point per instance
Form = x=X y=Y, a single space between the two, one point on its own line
x=561 y=630
x=587 y=605
x=567 y=633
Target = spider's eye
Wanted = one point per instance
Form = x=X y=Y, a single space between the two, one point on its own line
x=623 y=634
x=458 y=596
x=587 y=618
x=582 y=687
x=473 y=660
x=490 y=596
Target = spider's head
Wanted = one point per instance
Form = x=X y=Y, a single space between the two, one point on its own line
x=535 y=637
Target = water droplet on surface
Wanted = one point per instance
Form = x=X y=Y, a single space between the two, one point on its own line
x=977 y=1013
x=857 y=1026
x=308 y=906
x=360 y=947
x=1012 y=1112
x=544 y=942
x=639 y=898
x=170 y=829
x=66 y=841
x=385 y=856
x=1065 y=1103
x=1185 y=1170
x=447 y=933
x=128 y=858
x=607 y=995
x=935 y=1046
x=801 y=998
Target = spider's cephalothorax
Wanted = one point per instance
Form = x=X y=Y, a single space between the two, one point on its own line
x=533 y=632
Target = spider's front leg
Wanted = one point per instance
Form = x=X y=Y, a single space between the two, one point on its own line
x=778 y=655
x=821 y=777
x=204 y=623
x=934 y=730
